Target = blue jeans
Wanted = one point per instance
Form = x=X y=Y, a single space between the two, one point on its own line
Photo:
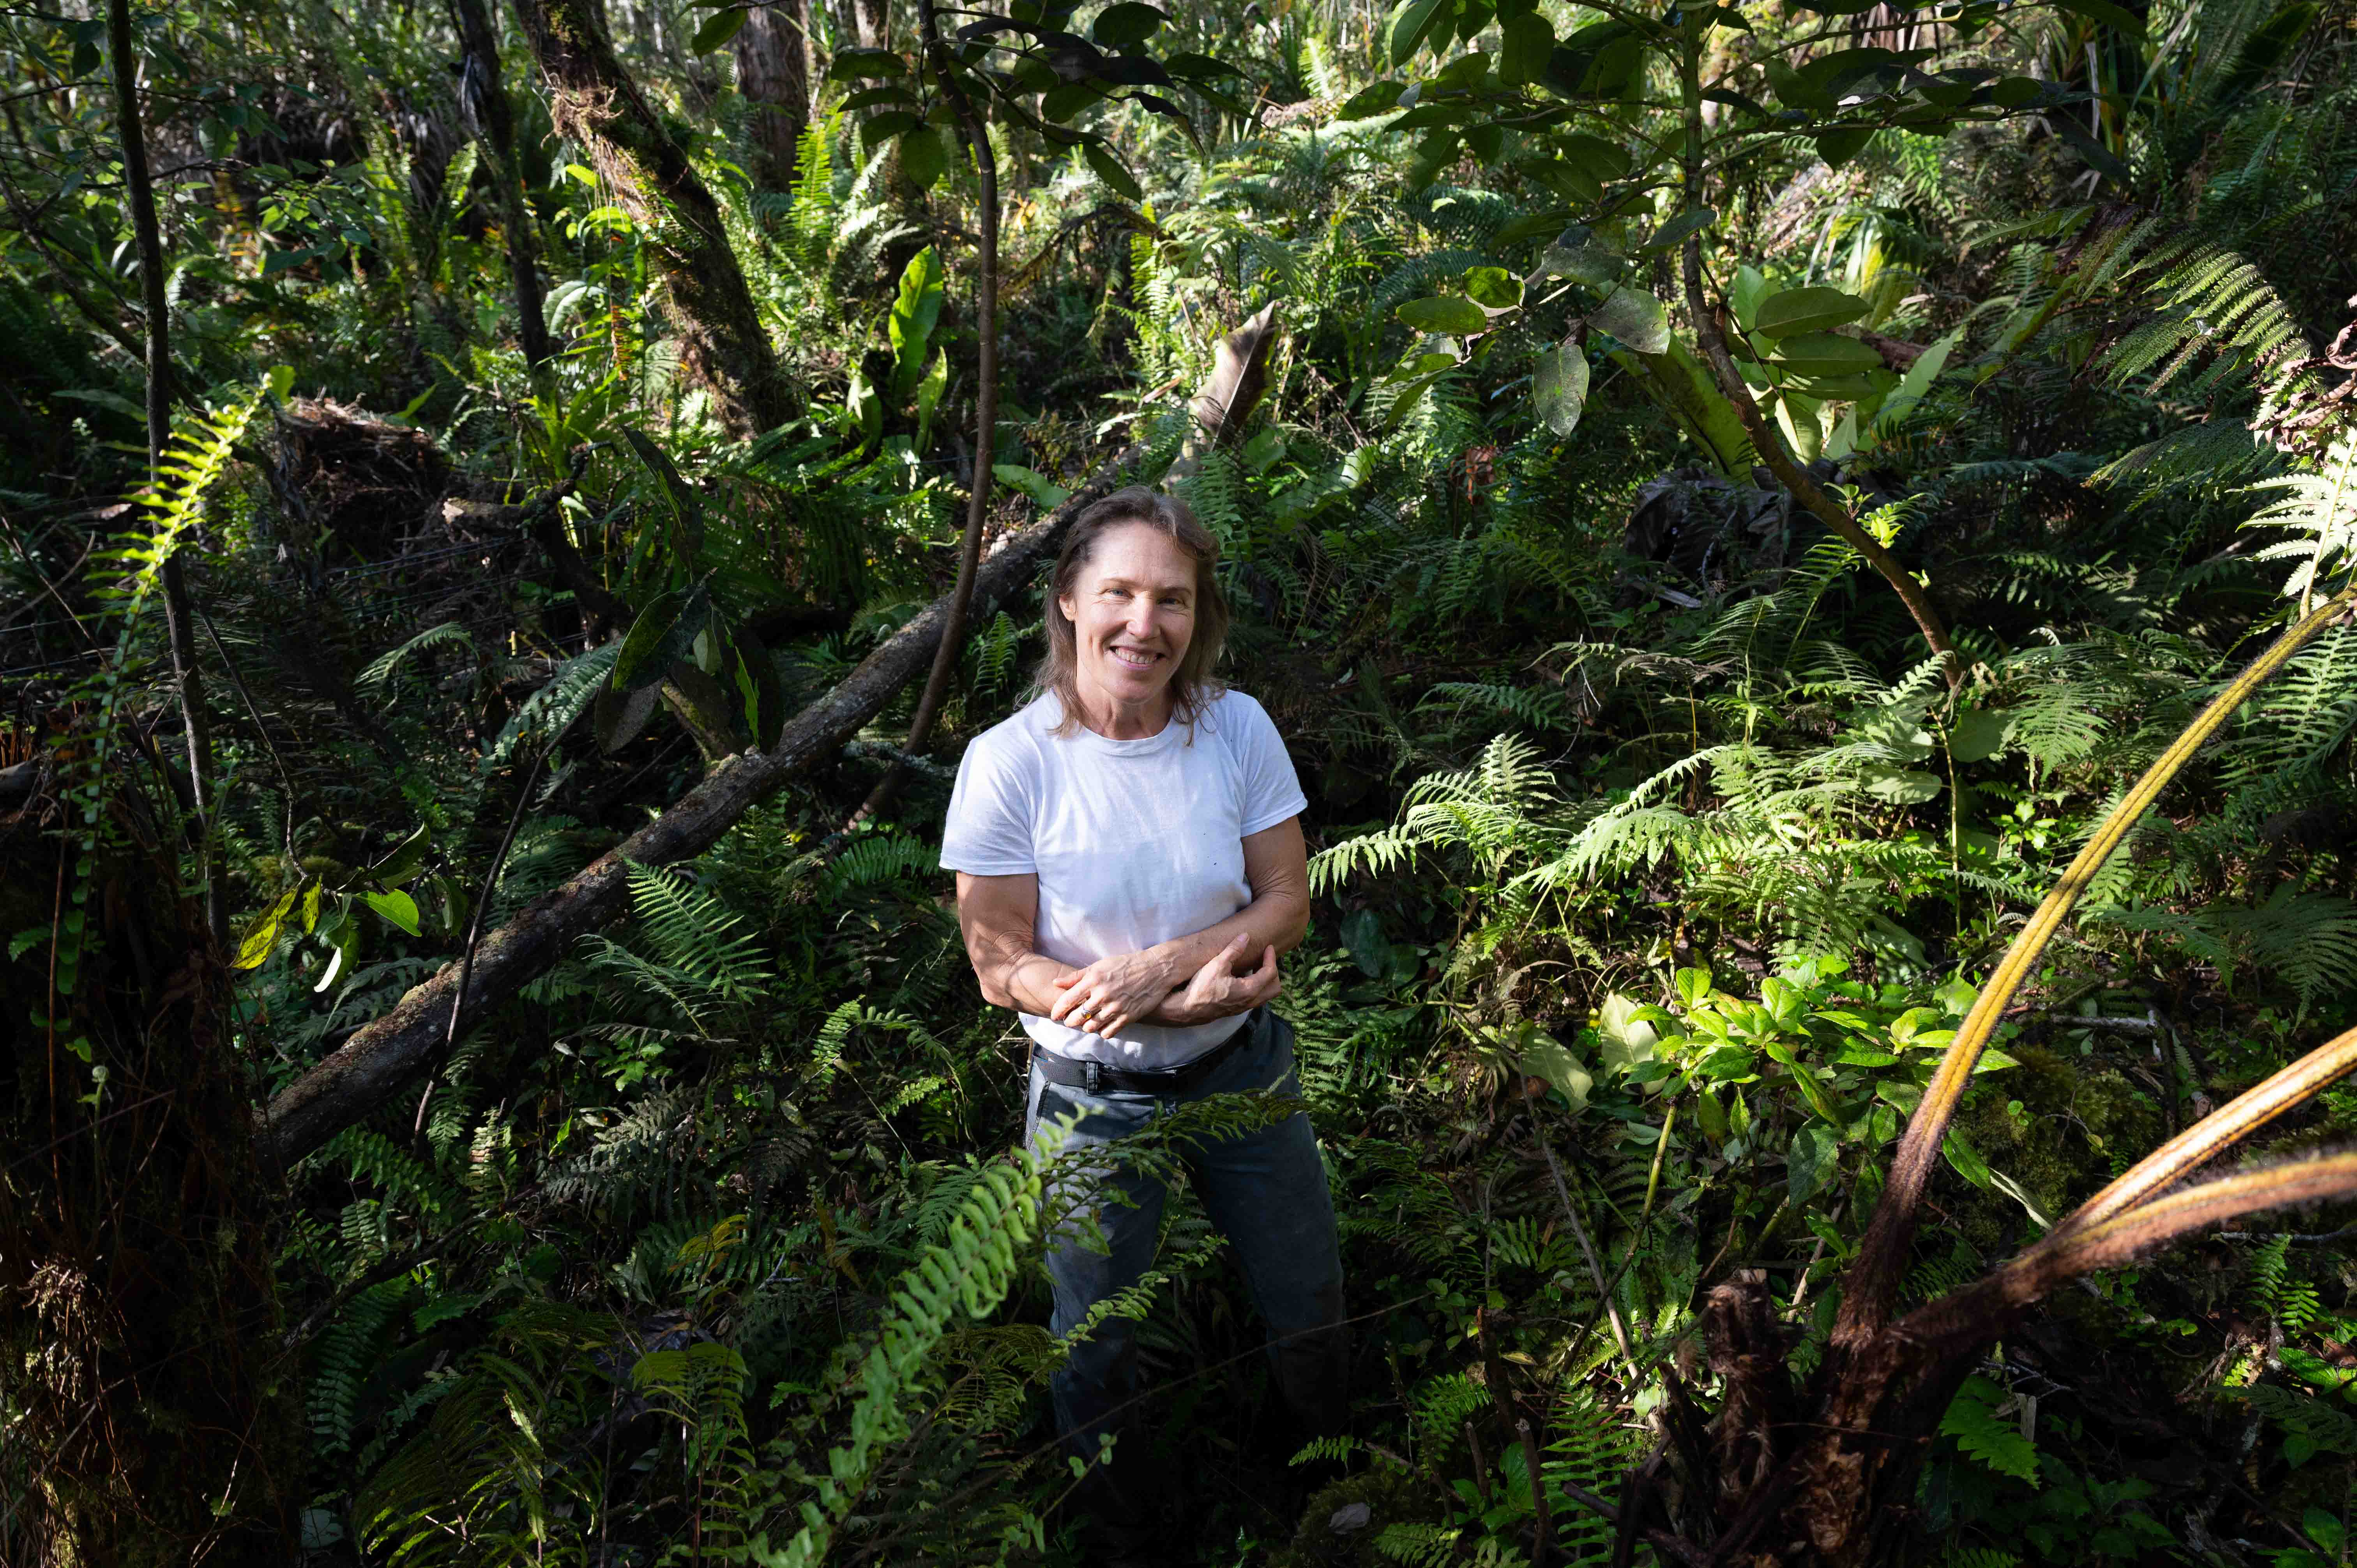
x=1267 y=1192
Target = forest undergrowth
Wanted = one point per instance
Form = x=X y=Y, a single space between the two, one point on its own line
x=1694 y=705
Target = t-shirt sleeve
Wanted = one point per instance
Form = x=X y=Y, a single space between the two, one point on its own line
x=988 y=832
x=1272 y=791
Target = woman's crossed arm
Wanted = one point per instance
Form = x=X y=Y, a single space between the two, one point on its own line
x=1191 y=979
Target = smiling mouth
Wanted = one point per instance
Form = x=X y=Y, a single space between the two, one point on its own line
x=1135 y=657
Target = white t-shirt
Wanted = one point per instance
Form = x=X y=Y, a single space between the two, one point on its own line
x=1133 y=841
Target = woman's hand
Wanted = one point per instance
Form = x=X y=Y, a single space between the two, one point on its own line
x=1112 y=993
x=1217 y=991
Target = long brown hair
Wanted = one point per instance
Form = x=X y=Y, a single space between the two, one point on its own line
x=1192 y=686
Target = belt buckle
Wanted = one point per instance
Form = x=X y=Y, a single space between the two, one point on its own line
x=1091 y=1075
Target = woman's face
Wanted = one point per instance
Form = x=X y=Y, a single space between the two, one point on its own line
x=1132 y=613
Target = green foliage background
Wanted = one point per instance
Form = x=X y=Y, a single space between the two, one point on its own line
x=1649 y=839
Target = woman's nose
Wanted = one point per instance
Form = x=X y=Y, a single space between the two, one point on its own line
x=1141 y=618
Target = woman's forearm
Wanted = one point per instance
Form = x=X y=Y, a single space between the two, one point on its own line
x=1026 y=982
x=1277 y=919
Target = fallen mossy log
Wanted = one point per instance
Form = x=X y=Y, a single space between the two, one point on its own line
x=361 y=1075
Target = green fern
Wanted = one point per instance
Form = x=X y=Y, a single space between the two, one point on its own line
x=343 y=1358
x=1993 y=1440
x=970 y=1270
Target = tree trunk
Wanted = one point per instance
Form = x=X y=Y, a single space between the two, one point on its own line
x=871 y=22
x=483 y=104
x=773 y=73
x=187 y=679
x=595 y=101
x=151 y=1419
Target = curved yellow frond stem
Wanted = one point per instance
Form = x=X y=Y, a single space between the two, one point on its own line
x=1874 y=1278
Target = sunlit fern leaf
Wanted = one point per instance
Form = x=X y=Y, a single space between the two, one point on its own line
x=968 y=1271
x=1419 y=1545
x=549 y=712
x=879 y=859
x=696 y=933
x=2319 y=509
x=345 y=1356
x=379 y=669
x=1592 y=1447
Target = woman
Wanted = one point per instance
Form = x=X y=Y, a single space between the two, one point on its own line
x=1130 y=862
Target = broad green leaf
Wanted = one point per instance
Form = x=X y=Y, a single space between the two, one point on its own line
x=1581 y=257
x=663 y=632
x=618 y=717
x=1493 y=288
x=1378 y=98
x=758 y=690
x=718 y=29
x=1110 y=170
x=1445 y=313
x=1847 y=388
x=1980 y=733
x=2020 y=1194
x=1546 y=1056
x=1605 y=160
x=1729 y=1064
x=1843 y=143
x=1956 y=996
x=924 y=158
x=401 y=861
x=1525 y=42
x=262 y=940
x=1694 y=986
x=1899 y=786
x=1559 y=387
x=859 y=64
x=683 y=503
x=1793 y=90
x=1691 y=222
x=1801 y=310
x=1823 y=354
x=1126 y=25
x=1362 y=935
x=1410 y=23
x=1603 y=59
x=1635 y=318
x=929 y=397
x=1912 y=386
x=881 y=128
x=916 y=309
x=1472 y=16
x=1065 y=99
x=1626 y=1039
x=1043 y=490
x=1680 y=382
x=1966 y=1159
x=397 y=906
x=1808 y=1161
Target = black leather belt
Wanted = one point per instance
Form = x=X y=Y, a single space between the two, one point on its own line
x=1095 y=1077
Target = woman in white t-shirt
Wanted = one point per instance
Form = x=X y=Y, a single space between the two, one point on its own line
x=1130 y=864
